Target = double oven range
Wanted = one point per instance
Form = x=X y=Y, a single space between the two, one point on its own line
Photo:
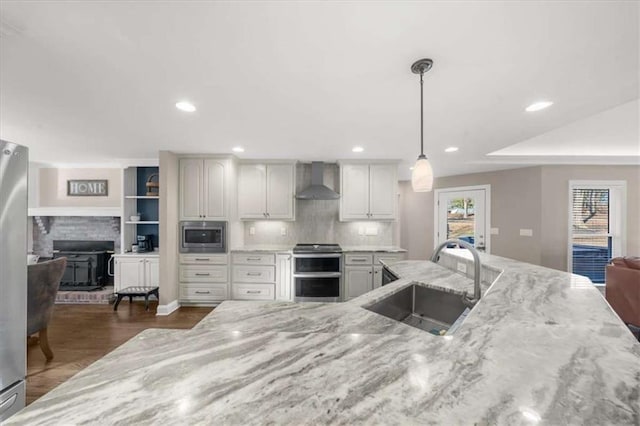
x=317 y=272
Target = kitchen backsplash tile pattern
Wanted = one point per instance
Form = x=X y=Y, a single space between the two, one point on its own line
x=317 y=220
x=76 y=228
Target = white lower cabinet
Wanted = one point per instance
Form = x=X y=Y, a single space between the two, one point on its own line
x=358 y=280
x=136 y=271
x=363 y=271
x=204 y=278
x=284 y=278
x=261 y=276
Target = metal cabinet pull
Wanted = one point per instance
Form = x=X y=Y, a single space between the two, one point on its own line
x=254 y=274
x=253 y=259
x=253 y=291
x=202 y=274
x=359 y=260
x=202 y=259
x=202 y=292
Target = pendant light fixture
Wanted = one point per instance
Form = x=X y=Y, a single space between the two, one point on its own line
x=422 y=175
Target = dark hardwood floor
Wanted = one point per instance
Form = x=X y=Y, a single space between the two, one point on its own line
x=82 y=334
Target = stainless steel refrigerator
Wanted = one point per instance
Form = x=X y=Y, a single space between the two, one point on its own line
x=13 y=277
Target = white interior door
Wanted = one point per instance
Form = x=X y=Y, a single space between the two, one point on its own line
x=463 y=213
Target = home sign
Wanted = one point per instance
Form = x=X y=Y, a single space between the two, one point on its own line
x=88 y=187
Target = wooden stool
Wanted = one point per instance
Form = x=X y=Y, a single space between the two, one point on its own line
x=137 y=291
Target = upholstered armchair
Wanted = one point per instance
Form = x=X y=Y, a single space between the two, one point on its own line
x=43 y=280
x=623 y=288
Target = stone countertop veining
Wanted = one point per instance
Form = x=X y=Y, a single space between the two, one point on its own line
x=380 y=249
x=542 y=346
x=262 y=248
x=288 y=248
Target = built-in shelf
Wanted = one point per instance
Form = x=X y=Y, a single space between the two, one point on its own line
x=143 y=222
x=142 y=197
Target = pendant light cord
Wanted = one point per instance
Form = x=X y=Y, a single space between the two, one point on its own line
x=421 y=116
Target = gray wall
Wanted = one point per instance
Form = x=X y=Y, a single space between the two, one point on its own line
x=75 y=228
x=168 y=206
x=533 y=198
x=317 y=220
x=554 y=216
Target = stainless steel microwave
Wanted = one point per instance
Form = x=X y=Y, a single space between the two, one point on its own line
x=203 y=237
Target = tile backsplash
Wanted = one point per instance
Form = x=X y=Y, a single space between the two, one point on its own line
x=317 y=220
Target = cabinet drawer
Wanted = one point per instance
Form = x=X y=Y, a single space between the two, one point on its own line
x=254 y=274
x=253 y=259
x=204 y=292
x=254 y=291
x=358 y=259
x=203 y=259
x=210 y=274
x=387 y=257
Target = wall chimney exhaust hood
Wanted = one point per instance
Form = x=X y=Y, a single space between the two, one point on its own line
x=317 y=190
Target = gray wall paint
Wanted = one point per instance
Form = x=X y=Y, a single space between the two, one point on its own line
x=76 y=228
x=317 y=220
x=168 y=210
x=554 y=216
x=534 y=198
x=515 y=204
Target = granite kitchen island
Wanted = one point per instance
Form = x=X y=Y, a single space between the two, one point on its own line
x=542 y=346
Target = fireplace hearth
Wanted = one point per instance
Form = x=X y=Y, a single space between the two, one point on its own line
x=87 y=263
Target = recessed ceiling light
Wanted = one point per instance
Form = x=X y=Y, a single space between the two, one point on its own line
x=451 y=149
x=411 y=168
x=238 y=149
x=357 y=149
x=185 y=106
x=537 y=106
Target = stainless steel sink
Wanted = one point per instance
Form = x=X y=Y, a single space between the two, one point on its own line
x=425 y=308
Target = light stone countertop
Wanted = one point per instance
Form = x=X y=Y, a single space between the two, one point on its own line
x=381 y=249
x=145 y=254
x=542 y=346
x=262 y=248
x=287 y=248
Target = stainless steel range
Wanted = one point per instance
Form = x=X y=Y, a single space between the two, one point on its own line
x=317 y=272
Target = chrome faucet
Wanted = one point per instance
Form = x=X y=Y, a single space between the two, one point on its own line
x=470 y=302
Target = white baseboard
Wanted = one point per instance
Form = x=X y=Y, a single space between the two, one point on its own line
x=168 y=309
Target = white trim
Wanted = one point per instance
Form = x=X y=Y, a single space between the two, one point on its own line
x=75 y=211
x=487 y=207
x=596 y=184
x=168 y=309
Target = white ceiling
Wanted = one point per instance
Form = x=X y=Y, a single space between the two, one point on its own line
x=97 y=81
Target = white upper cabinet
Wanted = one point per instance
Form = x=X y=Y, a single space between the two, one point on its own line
x=280 y=191
x=202 y=189
x=383 y=191
x=354 y=200
x=214 y=199
x=252 y=193
x=266 y=191
x=368 y=191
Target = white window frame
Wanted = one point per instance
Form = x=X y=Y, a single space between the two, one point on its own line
x=598 y=184
x=436 y=198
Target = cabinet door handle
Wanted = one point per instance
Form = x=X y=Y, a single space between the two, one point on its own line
x=358 y=260
x=253 y=291
x=369 y=272
x=202 y=259
x=202 y=292
x=376 y=272
x=254 y=274
x=253 y=259
x=202 y=274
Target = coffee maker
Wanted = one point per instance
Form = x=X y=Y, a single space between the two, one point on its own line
x=145 y=243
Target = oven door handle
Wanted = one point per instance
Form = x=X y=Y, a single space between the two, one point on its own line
x=318 y=275
x=316 y=255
